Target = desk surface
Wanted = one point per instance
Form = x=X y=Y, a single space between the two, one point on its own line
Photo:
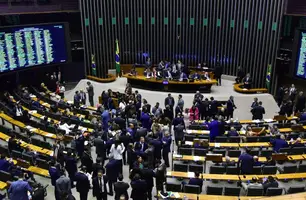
x=202 y=158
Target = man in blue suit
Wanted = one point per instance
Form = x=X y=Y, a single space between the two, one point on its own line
x=196 y=181
x=166 y=140
x=246 y=162
x=214 y=130
x=157 y=144
x=55 y=173
x=145 y=120
x=71 y=166
x=112 y=174
x=76 y=99
x=230 y=107
x=83 y=184
x=5 y=165
x=142 y=144
x=279 y=143
x=105 y=119
x=19 y=189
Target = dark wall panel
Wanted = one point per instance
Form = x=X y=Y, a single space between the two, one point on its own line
x=237 y=32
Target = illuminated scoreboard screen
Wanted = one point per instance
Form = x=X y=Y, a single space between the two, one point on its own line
x=301 y=56
x=33 y=45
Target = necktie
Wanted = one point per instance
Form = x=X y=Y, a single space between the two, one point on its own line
x=101 y=185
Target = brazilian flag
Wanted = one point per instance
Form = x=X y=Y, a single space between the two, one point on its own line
x=117 y=58
x=268 y=77
x=93 y=65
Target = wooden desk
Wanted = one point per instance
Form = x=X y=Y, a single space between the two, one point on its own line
x=176 y=86
x=206 y=132
x=255 y=144
x=238 y=88
x=202 y=158
x=297 y=196
x=3 y=185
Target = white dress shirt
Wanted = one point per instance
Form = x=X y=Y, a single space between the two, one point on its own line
x=116 y=153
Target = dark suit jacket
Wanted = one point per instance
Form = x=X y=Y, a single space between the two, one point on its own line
x=167 y=101
x=230 y=105
x=83 y=184
x=147 y=175
x=245 y=80
x=121 y=188
x=95 y=185
x=300 y=102
x=100 y=147
x=70 y=165
x=196 y=181
x=267 y=185
x=139 y=189
x=258 y=112
x=111 y=170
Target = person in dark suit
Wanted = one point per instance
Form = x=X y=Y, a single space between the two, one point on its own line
x=112 y=174
x=55 y=173
x=196 y=181
x=279 y=143
x=71 y=166
x=246 y=162
x=232 y=132
x=99 y=189
x=149 y=155
x=82 y=183
x=292 y=92
x=170 y=101
x=76 y=99
x=148 y=174
x=218 y=73
x=96 y=167
x=247 y=81
x=230 y=107
x=254 y=103
x=100 y=148
x=300 y=103
x=142 y=144
x=82 y=97
x=139 y=188
x=258 y=111
x=166 y=140
x=179 y=133
x=280 y=95
x=86 y=161
x=121 y=188
x=5 y=165
x=269 y=183
x=90 y=91
x=19 y=189
x=240 y=74
x=160 y=175
x=63 y=185
x=213 y=107
x=156 y=142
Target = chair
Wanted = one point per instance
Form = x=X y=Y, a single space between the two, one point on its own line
x=234 y=139
x=294 y=136
x=221 y=139
x=285 y=150
x=252 y=139
x=254 y=152
x=257 y=170
x=200 y=152
x=219 y=151
x=302 y=168
x=42 y=163
x=234 y=153
x=192 y=189
x=5 y=176
x=295 y=189
x=232 y=191
x=231 y=170
x=269 y=170
x=4 y=150
x=217 y=169
x=16 y=154
x=266 y=153
x=289 y=169
x=255 y=192
x=174 y=187
x=196 y=168
x=274 y=191
x=27 y=157
x=212 y=190
x=264 y=139
x=189 y=137
x=185 y=151
x=180 y=167
x=297 y=150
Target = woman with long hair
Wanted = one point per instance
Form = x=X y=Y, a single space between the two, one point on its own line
x=116 y=152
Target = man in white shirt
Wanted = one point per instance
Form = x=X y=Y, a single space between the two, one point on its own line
x=64 y=126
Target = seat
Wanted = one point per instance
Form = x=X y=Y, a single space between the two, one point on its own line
x=214 y=190
x=269 y=170
x=204 y=137
x=232 y=170
x=16 y=154
x=219 y=151
x=185 y=151
x=285 y=150
x=180 y=167
x=4 y=150
x=196 y=168
x=5 y=176
x=264 y=139
x=252 y=139
x=274 y=191
x=189 y=137
x=255 y=192
x=293 y=136
x=257 y=170
x=217 y=169
x=232 y=191
x=174 y=187
x=42 y=163
x=297 y=150
x=254 y=152
x=289 y=169
x=27 y=157
x=221 y=139
x=234 y=139
x=234 y=153
x=266 y=153
x=302 y=168
x=295 y=189
x=200 y=152
x=195 y=189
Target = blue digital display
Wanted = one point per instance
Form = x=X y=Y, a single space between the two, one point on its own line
x=26 y=46
x=301 y=56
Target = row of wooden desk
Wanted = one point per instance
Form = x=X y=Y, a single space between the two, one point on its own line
x=229 y=177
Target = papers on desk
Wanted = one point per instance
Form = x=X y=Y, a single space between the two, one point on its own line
x=190 y=174
x=83 y=106
x=177 y=156
x=33 y=111
x=42 y=117
x=188 y=131
x=70 y=102
x=168 y=173
x=33 y=129
x=256 y=121
x=188 y=143
x=86 y=143
x=243 y=132
x=32 y=96
x=49 y=135
x=52 y=94
x=176 y=195
x=269 y=120
x=196 y=158
x=45 y=104
x=244 y=89
x=52 y=153
x=29 y=127
x=217 y=145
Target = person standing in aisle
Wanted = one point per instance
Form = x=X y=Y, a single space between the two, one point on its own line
x=90 y=91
